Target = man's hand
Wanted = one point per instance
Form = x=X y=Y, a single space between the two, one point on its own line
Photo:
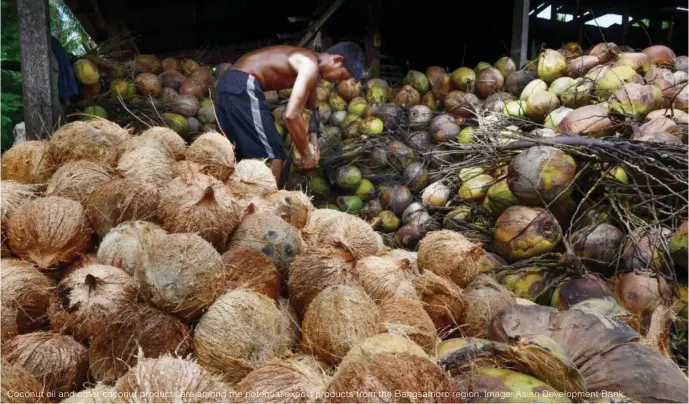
x=312 y=156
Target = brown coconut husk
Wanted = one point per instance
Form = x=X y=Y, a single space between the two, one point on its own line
x=381 y=276
x=407 y=317
x=249 y=269
x=77 y=179
x=215 y=153
x=58 y=361
x=268 y=233
x=184 y=168
x=136 y=328
x=98 y=394
x=449 y=254
x=49 y=231
x=81 y=261
x=123 y=246
x=291 y=322
x=167 y=378
x=199 y=204
x=136 y=142
x=393 y=377
x=174 y=142
x=657 y=326
x=146 y=164
x=400 y=254
x=293 y=206
x=28 y=163
x=20 y=386
x=121 y=200
x=88 y=298
x=13 y=195
x=484 y=298
x=442 y=299
x=337 y=319
x=8 y=319
x=256 y=204
x=26 y=293
x=511 y=322
x=188 y=262
x=238 y=333
x=87 y=140
x=317 y=269
x=609 y=308
x=252 y=177
x=351 y=234
x=384 y=343
x=317 y=220
x=291 y=380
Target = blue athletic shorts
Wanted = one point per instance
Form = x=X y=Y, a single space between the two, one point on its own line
x=245 y=117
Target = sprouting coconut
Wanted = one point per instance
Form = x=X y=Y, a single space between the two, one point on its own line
x=58 y=361
x=484 y=298
x=86 y=140
x=236 y=327
x=249 y=269
x=77 y=179
x=522 y=232
x=26 y=295
x=449 y=254
x=541 y=174
x=215 y=153
x=351 y=315
x=252 y=177
x=442 y=299
x=115 y=348
x=49 y=231
x=407 y=317
x=89 y=297
x=20 y=386
x=123 y=246
x=29 y=163
x=173 y=141
x=199 y=204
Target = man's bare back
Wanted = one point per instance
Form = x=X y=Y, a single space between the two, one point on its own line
x=271 y=66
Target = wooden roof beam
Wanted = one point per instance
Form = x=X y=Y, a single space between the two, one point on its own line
x=316 y=25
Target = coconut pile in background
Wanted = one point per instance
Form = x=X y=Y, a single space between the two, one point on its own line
x=146 y=262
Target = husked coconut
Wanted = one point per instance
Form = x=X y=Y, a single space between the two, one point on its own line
x=381 y=276
x=442 y=299
x=20 y=386
x=383 y=343
x=199 y=204
x=185 y=168
x=337 y=319
x=291 y=322
x=136 y=142
x=8 y=319
x=411 y=256
x=58 y=361
x=351 y=234
x=215 y=153
x=49 y=231
x=269 y=234
x=13 y=195
x=407 y=317
x=98 y=394
x=170 y=376
x=26 y=293
x=123 y=246
x=88 y=298
x=81 y=261
x=293 y=206
x=86 y=140
x=146 y=164
x=450 y=254
x=77 y=179
x=121 y=200
x=484 y=299
x=252 y=177
x=317 y=269
x=28 y=163
x=183 y=274
x=249 y=269
x=174 y=142
x=133 y=330
x=240 y=331
x=291 y=380
x=317 y=219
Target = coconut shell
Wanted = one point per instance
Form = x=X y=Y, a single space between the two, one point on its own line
x=351 y=234
x=292 y=380
x=293 y=206
x=215 y=153
x=26 y=295
x=407 y=317
x=146 y=165
x=381 y=276
x=58 y=361
x=28 y=162
x=271 y=235
x=249 y=269
x=77 y=179
x=49 y=231
x=88 y=298
x=99 y=394
x=315 y=270
x=169 y=376
x=86 y=140
x=136 y=328
x=20 y=386
x=337 y=319
x=449 y=254
x=484 y=298
x=252 y=177
x=235 y=328
x=200 y=204
x=119 y=201
x=122 y=247
x=442 y=299
x=183 y=274
x=174 y=142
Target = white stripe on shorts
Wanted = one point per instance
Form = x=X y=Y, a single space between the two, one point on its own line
x=256 y=113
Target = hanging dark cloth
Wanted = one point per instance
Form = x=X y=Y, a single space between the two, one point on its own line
x=67 y=82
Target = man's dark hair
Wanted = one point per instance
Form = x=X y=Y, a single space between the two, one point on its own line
x=353 y=57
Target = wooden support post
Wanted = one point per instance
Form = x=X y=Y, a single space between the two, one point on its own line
x=625 y=25
x=36 y=53
x=580 y=23
x=316 y=25
x=373 y=38
x=520 y=31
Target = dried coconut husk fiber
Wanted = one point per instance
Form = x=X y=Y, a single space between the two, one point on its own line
x=26 y=295
x=77 y=179
x=28 y=163
x=407 y=317
x=123 y=246
x=484 y=298
x=252 y=177
x=293 y=206
x=381 y=276
x=249 y=269
x=98 y=394
x=87 y=140
x=174 y=142
x=442 y=299
x=351 y=234
x=20 y=386
x=215 y=153
x=449 y=254
x=146 y=164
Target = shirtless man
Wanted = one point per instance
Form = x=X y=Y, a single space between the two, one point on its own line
x=244 y=114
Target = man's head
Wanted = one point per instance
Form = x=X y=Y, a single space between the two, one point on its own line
x=342 y=61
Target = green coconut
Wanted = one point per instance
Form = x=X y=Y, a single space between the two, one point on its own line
x=578 y=94
x=371 y=126
x=552 y=121
x=463 y=79
x=417 y=80
x=350 y=204
x=678 y=246
x=318 y=186
x=337 y=103
x=551 y=65
x=376 y=94
x=506 y=66
x=524 y=232
x=386 y=221
x=516 y=109
x=466 y=136
x=498 y=198
x=636 y=100
x=560 y=85
x=541 y=174
x=95 y=111
x=176 y=122
x=528 y=284
x=475 y=189
x=366 y=190
x=348 y=178
x=480 y=66
x=357 y=106
x=608 y=80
